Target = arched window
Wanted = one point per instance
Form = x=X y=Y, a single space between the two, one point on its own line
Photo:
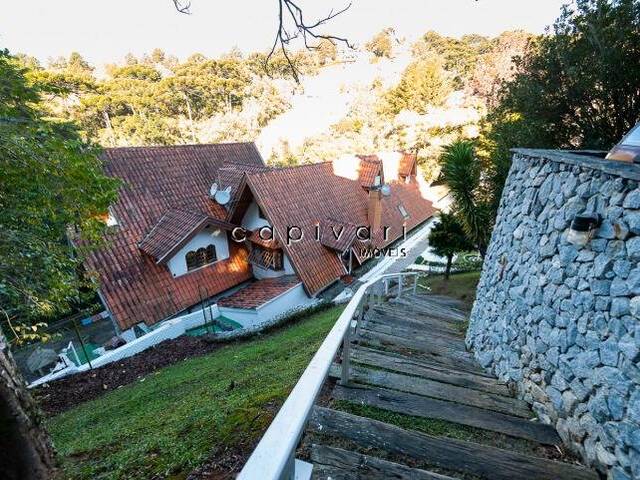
x=201 y=257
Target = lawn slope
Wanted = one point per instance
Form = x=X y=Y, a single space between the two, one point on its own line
x=171 y=421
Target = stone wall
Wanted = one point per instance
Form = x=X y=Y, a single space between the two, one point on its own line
x=563 y=322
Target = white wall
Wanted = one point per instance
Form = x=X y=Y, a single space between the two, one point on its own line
x=291 y=300
x=178 y=263
x=252 y=221
x=166 y=330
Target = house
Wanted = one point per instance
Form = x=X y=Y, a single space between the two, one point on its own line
x=213 y=223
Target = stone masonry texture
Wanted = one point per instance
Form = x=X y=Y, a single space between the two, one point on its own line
x=563 y=322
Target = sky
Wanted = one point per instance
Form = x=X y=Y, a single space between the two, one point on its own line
x=104 y=31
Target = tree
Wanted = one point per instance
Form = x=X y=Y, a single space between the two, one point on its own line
x=497 y=65
x=462 y=172
x=423 y=84
x=448 y=238
x=577 y=88
x=460 y=56
x=381 y=45
x=51 y=181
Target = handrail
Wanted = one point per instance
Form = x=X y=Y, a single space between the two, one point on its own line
x=274 y=456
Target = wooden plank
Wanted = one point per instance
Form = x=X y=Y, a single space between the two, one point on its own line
x=445 y=356
x=423 y=335
x=418 y=406
x=414 y=321
x=330 y=463
x=434 y=308
x=488 y=462
x=398 y=363
x=442 y=391
x=428 y=309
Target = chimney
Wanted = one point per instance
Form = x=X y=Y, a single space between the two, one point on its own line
x=374 y=211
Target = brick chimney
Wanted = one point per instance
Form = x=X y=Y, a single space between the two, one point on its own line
x=374 y=210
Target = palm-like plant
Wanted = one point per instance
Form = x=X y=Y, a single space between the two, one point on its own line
x=463 y=174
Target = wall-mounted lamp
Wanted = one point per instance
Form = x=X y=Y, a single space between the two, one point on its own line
x=582 y=228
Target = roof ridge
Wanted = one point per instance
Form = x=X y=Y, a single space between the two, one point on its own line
x=293 y=167
x=169 y=147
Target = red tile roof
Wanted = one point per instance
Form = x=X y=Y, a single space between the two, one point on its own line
x=310 y=195
x=260 y=292
x=370 y=167
x=157 y=180
x=173 y=230
x=337 y=235
x=273 y=243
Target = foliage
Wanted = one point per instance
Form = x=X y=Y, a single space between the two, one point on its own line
x=461 y=286
x=462 y=172
x=460 y=56
x=381 y=45
x=51 y=181
x=570 y=89
x=448 y=238
x=214 y=403
x=423 y=84
x=495 y=66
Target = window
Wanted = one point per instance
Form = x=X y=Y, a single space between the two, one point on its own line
x=403 y=211
x=265 y=258
x=201 y=257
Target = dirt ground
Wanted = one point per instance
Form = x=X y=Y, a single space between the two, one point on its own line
x=66 y=393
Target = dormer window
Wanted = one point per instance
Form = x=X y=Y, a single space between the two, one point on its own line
x=201 y=257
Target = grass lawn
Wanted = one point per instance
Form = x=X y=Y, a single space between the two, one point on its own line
x=171 y=421
x=460 y=285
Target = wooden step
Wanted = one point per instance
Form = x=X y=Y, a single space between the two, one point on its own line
x=456 y=455
x=418 y=406
x=421 y=335
x=431 y=308
x=442 y=391
x=444 y=356
x=411 y=366
x=401 y=318
x=330 y=463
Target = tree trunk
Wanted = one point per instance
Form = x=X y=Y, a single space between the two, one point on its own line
x=447 y=270
x=26 y=452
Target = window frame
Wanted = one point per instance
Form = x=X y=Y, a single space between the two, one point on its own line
x=204 y=256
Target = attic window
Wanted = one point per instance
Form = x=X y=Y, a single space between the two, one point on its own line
x=403 y=211
x=201 y=257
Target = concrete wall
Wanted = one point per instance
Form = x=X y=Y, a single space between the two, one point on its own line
x=178 y=263
x=561 y=321
x=290 y=301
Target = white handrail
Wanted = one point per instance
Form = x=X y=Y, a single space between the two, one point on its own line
x=274 y=456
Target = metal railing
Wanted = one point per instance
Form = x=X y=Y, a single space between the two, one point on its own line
x=274 y=457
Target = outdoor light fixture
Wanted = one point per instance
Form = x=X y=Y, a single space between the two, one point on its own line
x=582 y=228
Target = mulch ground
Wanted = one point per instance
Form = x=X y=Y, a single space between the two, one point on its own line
x=66 y=393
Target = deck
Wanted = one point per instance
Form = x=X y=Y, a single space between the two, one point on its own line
x=419 y=406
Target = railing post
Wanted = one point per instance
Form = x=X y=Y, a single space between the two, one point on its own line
x=399 y=286
x=386 y=286
x=346 y=356
x=415 y=284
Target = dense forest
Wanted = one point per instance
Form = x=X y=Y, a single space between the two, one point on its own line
x=158 y=100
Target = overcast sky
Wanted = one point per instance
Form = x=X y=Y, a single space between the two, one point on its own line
x=105 y=30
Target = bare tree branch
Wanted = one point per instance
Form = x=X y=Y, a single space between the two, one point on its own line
x=290 y=13
x=182 y=7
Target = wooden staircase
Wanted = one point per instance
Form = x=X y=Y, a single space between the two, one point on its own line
x=418 y=406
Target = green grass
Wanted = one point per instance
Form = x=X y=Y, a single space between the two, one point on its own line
x=174 y=419
x=460 y=285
